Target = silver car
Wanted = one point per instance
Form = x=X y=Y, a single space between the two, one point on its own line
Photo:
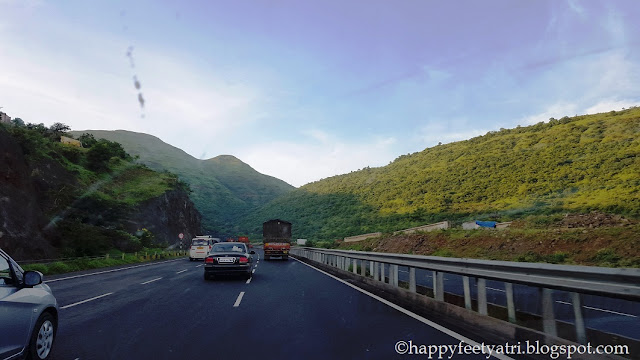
x=28 y=313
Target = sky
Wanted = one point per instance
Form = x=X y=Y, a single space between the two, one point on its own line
x=304 y=90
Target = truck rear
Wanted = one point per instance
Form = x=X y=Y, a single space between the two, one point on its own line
x=245 y=240
x=276 y=238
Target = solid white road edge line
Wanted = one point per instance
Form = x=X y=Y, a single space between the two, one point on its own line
x=181 y=271
x=84 y=301
x=150 y=281
x=409 y=313
x=598 y=309
x=239 y=299
x=108 y=271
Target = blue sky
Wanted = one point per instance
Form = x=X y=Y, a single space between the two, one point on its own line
x=303 y=90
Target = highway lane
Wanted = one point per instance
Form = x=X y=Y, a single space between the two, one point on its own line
x=168 y=311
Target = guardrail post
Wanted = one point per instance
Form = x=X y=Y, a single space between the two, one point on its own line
x=376 y=271
x=122 y=256
x=438 y=285
x=393 y=274
x=382 y=276
x=363 y=268
x=548 y=317
x=482 y=296
x=581 y=334
x=371 y=267
x=355 y=266
x=412 y=280
x=467 y=292
x=511 y=307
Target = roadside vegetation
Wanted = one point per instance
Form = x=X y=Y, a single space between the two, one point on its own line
x=113 y=258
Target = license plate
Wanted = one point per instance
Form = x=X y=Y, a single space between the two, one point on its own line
x=226 y=260
x=199 y=248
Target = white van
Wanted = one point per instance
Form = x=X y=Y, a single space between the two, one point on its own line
x=200 y=247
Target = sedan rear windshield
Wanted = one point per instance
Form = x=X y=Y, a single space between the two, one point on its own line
x=222 y=247
x=199 y=242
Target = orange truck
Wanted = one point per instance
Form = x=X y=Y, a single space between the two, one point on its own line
x=244 y=239
x=276 y=238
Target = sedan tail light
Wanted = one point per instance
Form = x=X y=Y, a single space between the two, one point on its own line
x=208 y=260
x=243 y=260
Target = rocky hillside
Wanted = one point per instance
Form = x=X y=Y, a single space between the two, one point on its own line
x=594 y=239
x=61 y=200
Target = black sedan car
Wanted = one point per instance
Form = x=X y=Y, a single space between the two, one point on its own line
x=228 y=258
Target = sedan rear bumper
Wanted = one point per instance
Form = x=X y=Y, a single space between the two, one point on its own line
x=227 y=269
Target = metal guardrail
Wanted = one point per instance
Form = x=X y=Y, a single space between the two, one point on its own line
x=621 y=283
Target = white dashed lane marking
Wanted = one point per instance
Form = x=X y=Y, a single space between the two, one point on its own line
x=239 y=299
x=85 y=301
x=150 y=281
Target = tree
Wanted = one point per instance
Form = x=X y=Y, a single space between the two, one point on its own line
x=18 y=122
x=57 y=130
x=101 y=152
x=87 y=140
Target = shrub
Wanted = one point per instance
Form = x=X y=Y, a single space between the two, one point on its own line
x=59 y=267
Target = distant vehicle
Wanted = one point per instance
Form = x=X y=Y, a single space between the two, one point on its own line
x=228 y=258
x=245 y=240
x=276 y=237
x=28 y=313
x=200 y=247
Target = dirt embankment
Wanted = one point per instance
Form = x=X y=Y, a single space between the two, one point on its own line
x=586 y=239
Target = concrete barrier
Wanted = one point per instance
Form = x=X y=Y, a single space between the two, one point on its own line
x=437 y=226
x=362 y=237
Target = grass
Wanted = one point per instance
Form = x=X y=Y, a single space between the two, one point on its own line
x=113 y=258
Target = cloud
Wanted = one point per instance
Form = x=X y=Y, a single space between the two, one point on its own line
x=557 y=110
x=447 y=131
x=608 y=105
x=317 y=155
x=577 y=8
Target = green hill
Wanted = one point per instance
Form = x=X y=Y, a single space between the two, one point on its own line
x=583 y=163
x=224 y=188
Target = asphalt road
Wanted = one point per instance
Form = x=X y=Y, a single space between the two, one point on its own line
x=288 y=310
